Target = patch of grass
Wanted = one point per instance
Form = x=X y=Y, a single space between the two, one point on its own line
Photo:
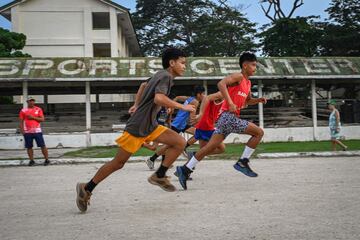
x=232 y=150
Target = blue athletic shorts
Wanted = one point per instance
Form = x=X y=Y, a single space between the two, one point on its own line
x=203 y=134
x=30 y=137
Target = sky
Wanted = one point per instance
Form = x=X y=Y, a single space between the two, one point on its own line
x=250 y=7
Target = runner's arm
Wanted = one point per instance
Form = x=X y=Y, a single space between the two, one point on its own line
x=253 y=101
x=162 y=100
x=212 y=97
x=192 y=116
x=139 y=93
x=180 y=98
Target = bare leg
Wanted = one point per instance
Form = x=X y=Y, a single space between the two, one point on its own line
x=218 y=150
x=44 y=151
x=108 y=168
x=256 y=135
x=191 y=141
x=215 y=141
x=149 y=146
x=341 y=144
x=175 y=145
x=162 y=150
x=333 y=143
x=30 y=153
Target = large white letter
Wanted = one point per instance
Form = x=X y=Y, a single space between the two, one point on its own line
x=208 y=63
x=154 y=65
x=8 y=67
x=133 y=63
x=37 y=64
x=269 y=68
x=343 y=63
x=311 y=64
x=80 y=67
x=103 y=64
x=229 y=63
x=287 y=65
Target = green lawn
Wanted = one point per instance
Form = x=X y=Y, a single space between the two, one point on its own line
x=232 y=150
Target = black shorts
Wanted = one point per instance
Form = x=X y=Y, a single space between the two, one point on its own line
x=182 y=130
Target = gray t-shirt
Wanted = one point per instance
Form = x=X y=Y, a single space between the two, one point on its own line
x=143 y=121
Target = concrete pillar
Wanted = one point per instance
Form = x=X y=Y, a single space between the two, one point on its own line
x=46 y=104
x=329 y=94
x=97 y=105
x=314 y=109
x=24 y=93
x=88 y=48
x=88 y=113
x=260 y=105
x=205 y=86
x=114 y=33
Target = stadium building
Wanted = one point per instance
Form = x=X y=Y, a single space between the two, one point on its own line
x=86 y=66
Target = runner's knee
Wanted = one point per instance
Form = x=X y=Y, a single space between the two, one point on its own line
x=221 y=148
x=117 y=164
x=181 y=143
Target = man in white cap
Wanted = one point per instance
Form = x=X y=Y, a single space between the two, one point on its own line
x=30 y=119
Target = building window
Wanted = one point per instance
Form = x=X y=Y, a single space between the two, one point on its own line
x=101 y=20
x=102 y=49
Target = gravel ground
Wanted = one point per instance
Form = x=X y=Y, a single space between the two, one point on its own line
x=302 y=198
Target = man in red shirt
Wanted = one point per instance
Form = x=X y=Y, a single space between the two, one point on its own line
x=30 y=119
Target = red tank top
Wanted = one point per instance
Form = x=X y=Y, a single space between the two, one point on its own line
x=211 y=113
x=238 y=95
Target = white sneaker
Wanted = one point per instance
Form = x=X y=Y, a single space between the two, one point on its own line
x=150 y=164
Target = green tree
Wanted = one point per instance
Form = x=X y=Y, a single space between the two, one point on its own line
x=200 y=27
x=286 y=35
x=291 y=37
x=341 y=35
x=11 y=43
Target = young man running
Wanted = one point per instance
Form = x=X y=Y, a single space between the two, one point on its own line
x=143 y=127
x=236 y=90
x=209 y=113
x=181 y=123
x=205 y=127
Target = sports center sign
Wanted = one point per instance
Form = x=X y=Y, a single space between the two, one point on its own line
x=102 y=69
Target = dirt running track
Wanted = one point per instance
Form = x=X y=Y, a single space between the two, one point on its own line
x=292 y=199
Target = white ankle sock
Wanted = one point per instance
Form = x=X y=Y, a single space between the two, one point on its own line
x=192 y=163
x=247 y=152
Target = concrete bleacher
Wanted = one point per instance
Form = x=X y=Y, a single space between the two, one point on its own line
x=110 y=117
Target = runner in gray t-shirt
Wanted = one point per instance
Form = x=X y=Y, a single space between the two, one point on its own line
x=143 y=121
x=142 y=127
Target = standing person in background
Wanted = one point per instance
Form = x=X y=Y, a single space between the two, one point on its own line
x=335 y=126
x=30 y=119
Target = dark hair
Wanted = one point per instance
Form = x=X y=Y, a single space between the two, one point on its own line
x=171 y=54
x=198 y=89
x=247 y=56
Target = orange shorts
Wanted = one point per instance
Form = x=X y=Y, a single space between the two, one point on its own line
x=131 y=143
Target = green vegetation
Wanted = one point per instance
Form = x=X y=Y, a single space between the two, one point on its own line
x=232 y=150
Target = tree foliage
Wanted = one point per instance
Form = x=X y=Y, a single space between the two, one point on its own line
x=341 y=33
x=200 y=27
x=291 y=37
x=11 y=43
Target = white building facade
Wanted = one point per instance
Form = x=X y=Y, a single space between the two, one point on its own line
x=68 y=28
